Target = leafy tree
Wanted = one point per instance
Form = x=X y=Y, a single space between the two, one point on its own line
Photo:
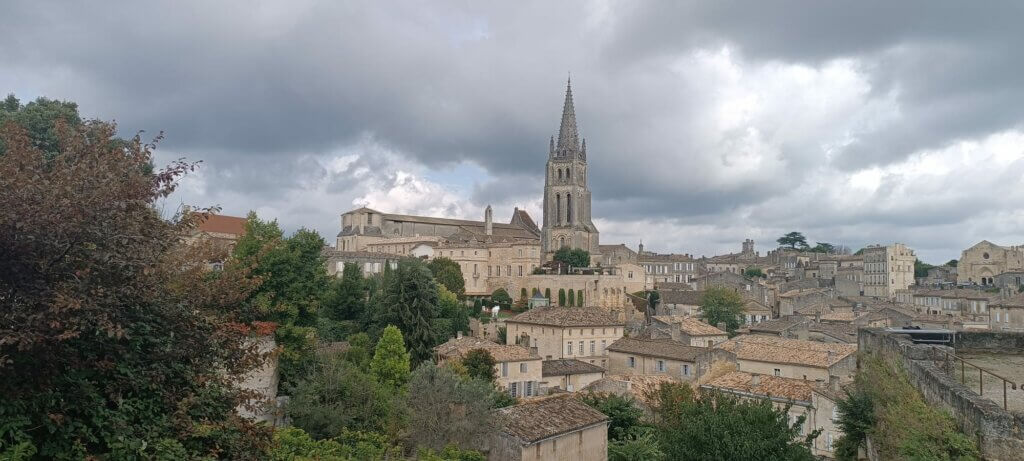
x=856 y=417
x=480 y=365
x=721 y=426
x=294 y=444
x=115 y=341
x=358 y=352
x=409 y=301
x=575 y=257
x=390 y=364
x=921 y=268
x=502 y=335
x=39 y=119
x=445 y=409
x=753 y=272
x=337 y=395
x=572 y=298
x=635 y=447
x=298 y=353
x=522 y=293
x=722 y=305
x=547 y=294
x=501 y=297
x=346 y=298
x=452 y=311
x=561 y=297
x=793 y=240
x=449 y=274
x=579 y=298
x=450 y=453
x=952 y=263
x=623 y=414
x=823 y=247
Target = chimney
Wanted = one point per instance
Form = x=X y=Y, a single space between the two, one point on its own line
x=458 y=335
x=755 y=380
x=488 y=221
x=833 y=383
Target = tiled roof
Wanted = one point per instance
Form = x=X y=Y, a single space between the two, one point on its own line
x=752 y=305
x=221 y=224
x=844 y=332
x=778 y=325
x=663 y=348
x=640 y=387
x=501 y=352
x=567 y=317
x=562 y=367
x=957 y=293
x=773 y=349
x=839 y=316
x=1014 y=301
x=539 y=419
x=690 y=325
x=687 y=297
x=772 y=386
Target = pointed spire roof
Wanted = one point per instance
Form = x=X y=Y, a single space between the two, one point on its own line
x=568 y=136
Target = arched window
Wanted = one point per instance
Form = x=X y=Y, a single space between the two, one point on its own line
x=568 y=173
x=568 y=209
x=559 y=174
x=558 y=206
x=561 y=242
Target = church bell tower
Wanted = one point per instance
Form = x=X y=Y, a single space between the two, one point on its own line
x=567 y=220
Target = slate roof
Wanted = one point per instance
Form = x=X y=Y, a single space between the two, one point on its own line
x=539 y=419
x=567 y=317
x=459 y=347
x=772 y=349
x=562 y=367
x=773 y=386
x=662 y=348
x=687 y=297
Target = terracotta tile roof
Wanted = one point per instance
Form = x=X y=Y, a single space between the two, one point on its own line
x=687 y=297
x=539 y=419
x=663 y=348
x=562 y=367
x=458 y=348
x=772 y=349
x=772 y=386
x=752 y=305
x=690 y=325
x=778 y=325
x=221 y=224
x=839 y=316
x=567 y=317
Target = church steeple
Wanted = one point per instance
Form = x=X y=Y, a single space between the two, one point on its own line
x=568 y=136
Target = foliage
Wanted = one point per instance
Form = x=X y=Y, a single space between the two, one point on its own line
x=921 y=268
x=522 y=293
x=116 y=333
x=501 y=297
x=952 y=263
x=346 y=297
x=480 y=365
x=856 y=417
x=358 y=352
x=450 y=453
x=753 y=272
x=502 y=335
x=561 y=297
x=452 y=310
x=449 y=274
x=338 y=395
x=39 y=120
x=294 y=444
x=409 y=301
x=722 y=305
x=905 y=426
x=623 y=414
x=298 y=349
x=721 y=426
x=823 y=247
x=575 y=257
x=793 y=240
x=390 y=364
x=445 y=409
x=579 y=298
x=571 y=301
x=641 y=446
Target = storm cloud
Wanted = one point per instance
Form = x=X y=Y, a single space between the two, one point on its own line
x=706 y=122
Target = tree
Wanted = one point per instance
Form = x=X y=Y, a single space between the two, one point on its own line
x=480 y=365
x=794 y=240
x=753 y=272
x=445 y=409
x=721 y=426
x=338 y=395
x=635 y=447
x=856 y=417
x=952 y=263
x=547 y=294
x=115 y=340
x=39 y=119
x=823 y=247
x=449 y=274
x=575 y=257
x=921 y=268
x=346 y=298
x=390 y=364
x=501 y=297
x=579 y=298
x=452 y=311
x=409 y=301
x=722 y=305
x=572 y=298
x=561 y=297
x=623 y=414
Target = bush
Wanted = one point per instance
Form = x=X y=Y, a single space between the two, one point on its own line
x=336 y=396
x=561 y=297
x=500 y=296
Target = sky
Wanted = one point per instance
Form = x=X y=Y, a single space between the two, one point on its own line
x=706 y=122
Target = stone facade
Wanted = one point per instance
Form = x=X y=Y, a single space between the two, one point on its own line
x=567 y=221
x=556 y=428
x=887 y=269
x=667 y=268
x=981 y=263
x=663 y=357
x=607 y=290
x=556 y=333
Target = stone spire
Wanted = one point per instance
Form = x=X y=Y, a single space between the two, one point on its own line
x=568 y=136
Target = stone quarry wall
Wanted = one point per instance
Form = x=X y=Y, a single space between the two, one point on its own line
x=999 y=433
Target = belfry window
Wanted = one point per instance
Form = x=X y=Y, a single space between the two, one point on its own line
x=559 y=174
x=568 y=209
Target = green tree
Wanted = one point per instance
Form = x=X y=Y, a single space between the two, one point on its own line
x=409 y=301
x=856 y=417
x=454 y=313
x=753 y=272
x=294 y=444
x=337 y=395
x=722 y=305
x=921 y=268
x=449 y=274
x=522 y=293
x=579 y=298
x=501 y=297
x=721 y=426
x=39 y=119
x=547 y=294
x=480 y=365
x=952 y=263
x=823 y=247
x=502 y=335
x=623 y=414
x=115 y=340
x=390 y=364
x=635 y=447
x=451 y=452
x=574 y=257
x=561 y=297
x=572 y=298
x=793 y=240
x=358 y=352
x=445 y=409
x=346 y=298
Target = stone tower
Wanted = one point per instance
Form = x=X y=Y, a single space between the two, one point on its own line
x=566 y=195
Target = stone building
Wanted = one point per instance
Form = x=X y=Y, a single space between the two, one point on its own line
x=887 y=269
x=1008 y=314
x=564 y=333
x=792 y=358
x=667 y=268
x=665 y=357
x=567 y=220
x=369 y=262
x=606 y=289
x=517 y=369
x=569 y=374
x=981 y=263
x=556 y=428
x=617 y=254
x=687 y=330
